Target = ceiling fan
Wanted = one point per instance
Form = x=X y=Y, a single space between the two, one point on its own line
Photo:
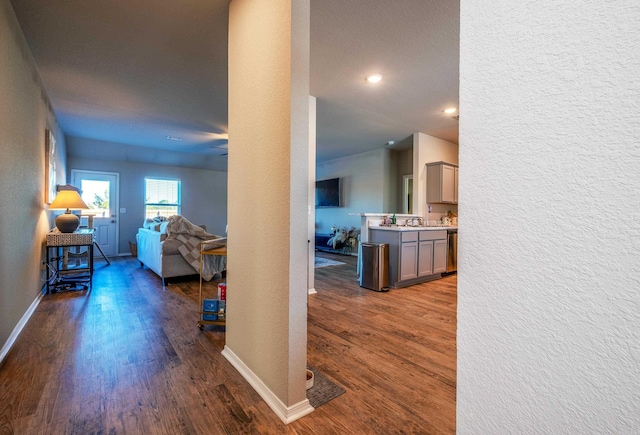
x=220 y=141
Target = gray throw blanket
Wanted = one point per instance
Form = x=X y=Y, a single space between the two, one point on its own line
x=190 y=236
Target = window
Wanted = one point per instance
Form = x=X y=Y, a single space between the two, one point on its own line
x=96 y=194
x=162 y=197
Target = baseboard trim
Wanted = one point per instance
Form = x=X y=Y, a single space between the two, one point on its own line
x=286 y=414
x=312 y=291
x=19 y=327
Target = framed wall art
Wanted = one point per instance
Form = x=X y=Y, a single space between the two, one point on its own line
x=50 y=167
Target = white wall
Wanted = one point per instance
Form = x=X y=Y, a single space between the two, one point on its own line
x=311 y=185
x=25 y=114
x=365 y=186
x=403 y=163
x=428 y=149
x=549 y=237
x=204 y=192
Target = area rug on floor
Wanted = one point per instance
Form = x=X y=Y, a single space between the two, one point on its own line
x=324 y=262
x=323 y=389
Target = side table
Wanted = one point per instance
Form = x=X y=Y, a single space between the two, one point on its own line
x=68 y=270
x=221 y=315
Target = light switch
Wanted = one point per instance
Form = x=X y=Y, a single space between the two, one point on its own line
x=123 y=210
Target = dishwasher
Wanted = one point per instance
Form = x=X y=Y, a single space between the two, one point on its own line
x=452 y=254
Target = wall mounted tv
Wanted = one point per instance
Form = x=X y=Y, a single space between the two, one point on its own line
x=328 y=193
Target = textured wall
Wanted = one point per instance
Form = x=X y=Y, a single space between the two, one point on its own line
x=428 y=149
x=549 y=238
x=363 y=187
x=25 y=114
x=268 y=191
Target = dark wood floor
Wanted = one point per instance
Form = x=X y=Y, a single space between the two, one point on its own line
x=127 y=358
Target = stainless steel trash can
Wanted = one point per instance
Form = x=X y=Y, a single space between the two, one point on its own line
x=374 y=266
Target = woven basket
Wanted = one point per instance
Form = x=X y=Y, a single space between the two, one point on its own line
x=133 y=247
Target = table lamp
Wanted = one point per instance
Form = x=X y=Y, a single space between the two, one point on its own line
x=69 y=200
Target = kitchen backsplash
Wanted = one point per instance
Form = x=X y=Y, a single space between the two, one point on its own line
x=438 y=211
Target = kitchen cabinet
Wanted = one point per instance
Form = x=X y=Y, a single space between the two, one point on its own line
x=455 y=192
x=442 y=183
x=440 y=256
x=425 y=258
x=415 y=255
x=433 y=252
x=408 y=256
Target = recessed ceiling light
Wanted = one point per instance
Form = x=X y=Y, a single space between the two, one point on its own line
x=374 y=78
x=450 y=110
x=178 y=139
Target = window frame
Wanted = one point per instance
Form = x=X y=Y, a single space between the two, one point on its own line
x=178 y=205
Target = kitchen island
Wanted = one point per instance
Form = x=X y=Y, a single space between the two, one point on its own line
x=416 y=254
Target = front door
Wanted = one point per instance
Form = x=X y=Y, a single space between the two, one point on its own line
x=100 y=193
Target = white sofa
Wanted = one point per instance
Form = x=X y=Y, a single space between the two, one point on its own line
x=161 y=256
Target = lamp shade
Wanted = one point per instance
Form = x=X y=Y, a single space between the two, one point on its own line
x=68 y=200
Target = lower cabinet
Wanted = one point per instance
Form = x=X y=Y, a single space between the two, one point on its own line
x=440 y=256
x=414 y=256
x=408 y=261
x=425 y=258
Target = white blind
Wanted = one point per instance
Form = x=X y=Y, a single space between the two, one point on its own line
x=162 y=191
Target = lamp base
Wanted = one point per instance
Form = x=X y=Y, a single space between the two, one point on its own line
x=67 y=222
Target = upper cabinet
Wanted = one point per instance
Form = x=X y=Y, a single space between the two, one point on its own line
x=442 y=183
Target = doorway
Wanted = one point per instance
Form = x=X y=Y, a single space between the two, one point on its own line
x=407 y=194
x=100 y=191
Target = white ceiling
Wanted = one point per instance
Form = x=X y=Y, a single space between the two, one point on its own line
x=136 y=72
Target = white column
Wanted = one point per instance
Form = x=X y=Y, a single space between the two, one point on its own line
x=268 y=197
x=311 y=229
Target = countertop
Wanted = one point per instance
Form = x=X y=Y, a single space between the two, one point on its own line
x=409 y=228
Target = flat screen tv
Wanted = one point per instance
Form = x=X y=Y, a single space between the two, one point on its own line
x=328 y=193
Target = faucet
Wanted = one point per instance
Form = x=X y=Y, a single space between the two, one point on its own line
x=411 y=221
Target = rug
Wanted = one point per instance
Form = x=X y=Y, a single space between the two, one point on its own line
x=324 y=262
x=323 y=389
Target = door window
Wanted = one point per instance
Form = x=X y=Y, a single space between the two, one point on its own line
x=96 y=194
